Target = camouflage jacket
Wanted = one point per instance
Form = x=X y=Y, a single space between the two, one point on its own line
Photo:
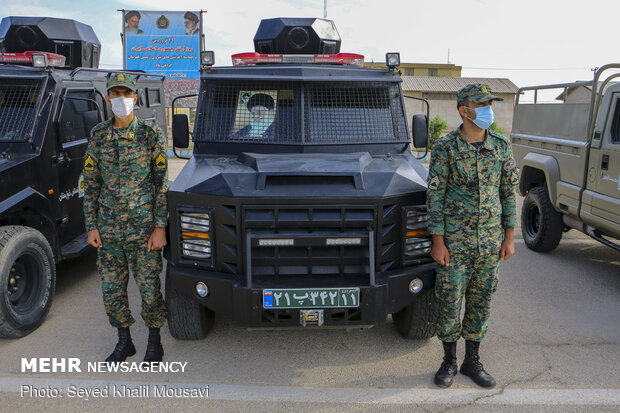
x=471 y=192
x=126 y=180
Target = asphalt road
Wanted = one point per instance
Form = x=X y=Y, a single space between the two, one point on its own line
x=553 y=345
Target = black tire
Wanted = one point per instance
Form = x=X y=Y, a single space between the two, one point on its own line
x=541 y=224
x=418 y=321
x=27 y=279
x=187 y=319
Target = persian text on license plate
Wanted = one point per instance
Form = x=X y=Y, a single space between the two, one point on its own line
x=311 y=298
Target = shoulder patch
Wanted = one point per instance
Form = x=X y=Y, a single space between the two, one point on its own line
x=434 y=183
x=509 y=166
x=89 y=163
x=160 y=161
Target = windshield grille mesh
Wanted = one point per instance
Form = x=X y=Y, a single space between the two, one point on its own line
x=352 y=114
x=295 y=113
x=18 y=105
x=247 y=113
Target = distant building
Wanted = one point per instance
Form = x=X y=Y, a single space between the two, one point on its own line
x=578 y=94
x=441 y=95
x=422 y=69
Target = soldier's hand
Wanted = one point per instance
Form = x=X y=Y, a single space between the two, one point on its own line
x=94 y=238
x=508 y=249
x=157 y=240
x=439 y=251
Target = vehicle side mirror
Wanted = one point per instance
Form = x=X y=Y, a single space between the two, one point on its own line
x=419 y=129
x=180 y=131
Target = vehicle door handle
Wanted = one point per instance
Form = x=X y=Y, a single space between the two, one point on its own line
x=605 y=162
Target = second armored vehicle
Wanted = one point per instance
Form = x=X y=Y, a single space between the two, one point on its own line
x=51 y=95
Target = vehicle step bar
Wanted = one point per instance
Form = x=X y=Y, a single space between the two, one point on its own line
x=597 y=236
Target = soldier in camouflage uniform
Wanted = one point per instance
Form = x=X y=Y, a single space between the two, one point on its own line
x=471 y=217
x=125 y=176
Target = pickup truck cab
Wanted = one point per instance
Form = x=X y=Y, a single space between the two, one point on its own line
x=569 y=159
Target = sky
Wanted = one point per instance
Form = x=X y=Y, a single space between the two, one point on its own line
x=527 y=41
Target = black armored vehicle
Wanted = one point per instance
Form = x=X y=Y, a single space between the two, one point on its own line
x=51 y=95
x=302 y=203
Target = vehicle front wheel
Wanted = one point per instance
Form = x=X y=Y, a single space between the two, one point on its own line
x=187 y=319
x=418 y=321
x=27 y=279
x=541 y=224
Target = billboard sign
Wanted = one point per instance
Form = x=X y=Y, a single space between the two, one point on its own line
x=163 y=42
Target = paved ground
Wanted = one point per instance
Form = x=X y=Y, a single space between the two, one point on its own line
x=553 y=345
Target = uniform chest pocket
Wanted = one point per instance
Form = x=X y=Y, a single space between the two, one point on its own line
x=490 y=166
x=464 y=168
x=107 y=157
x=136 y=151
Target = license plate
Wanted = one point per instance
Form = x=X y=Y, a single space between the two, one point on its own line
x=311 y=298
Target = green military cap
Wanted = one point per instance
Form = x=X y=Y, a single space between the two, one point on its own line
x=121 y=79
x=476 y=92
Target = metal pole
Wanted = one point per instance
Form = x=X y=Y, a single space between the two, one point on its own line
x=124 y=40
x=324 y=9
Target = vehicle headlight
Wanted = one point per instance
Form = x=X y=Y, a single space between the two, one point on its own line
x=196 y=235
x=195 y=221
x=417 y=241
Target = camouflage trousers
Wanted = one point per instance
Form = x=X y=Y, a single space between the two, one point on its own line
x=471 y=276
x=114 y=261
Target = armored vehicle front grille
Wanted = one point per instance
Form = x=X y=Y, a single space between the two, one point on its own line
x=349 y=226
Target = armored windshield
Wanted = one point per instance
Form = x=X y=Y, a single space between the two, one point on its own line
x=18 y=105
x=319 y=113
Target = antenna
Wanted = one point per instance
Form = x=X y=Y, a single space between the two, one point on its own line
x=324 y=9
x=448 y=55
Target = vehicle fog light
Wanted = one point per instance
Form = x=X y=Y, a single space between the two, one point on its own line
x=415 y=286
x=202 y=289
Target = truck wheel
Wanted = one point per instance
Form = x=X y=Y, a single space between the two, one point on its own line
x=27 y=279
x=187 y=320
x=418 y=320
x=541 y=225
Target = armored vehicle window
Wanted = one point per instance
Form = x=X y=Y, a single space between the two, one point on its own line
x=615 y=126
x=333 y=113
x=78 y=115
x=18 y=103
x=153 y=97
x=356 y=113
x=268 y=113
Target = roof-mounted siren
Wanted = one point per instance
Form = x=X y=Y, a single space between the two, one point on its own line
x=297 y=40
x=297 y=36
x=72 y=39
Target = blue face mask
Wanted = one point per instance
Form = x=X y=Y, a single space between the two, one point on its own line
x=484 y=117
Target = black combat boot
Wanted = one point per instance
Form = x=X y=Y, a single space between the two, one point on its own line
x=473 y=368
x=124 y=348
x=154 y=349
x=447 y=371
